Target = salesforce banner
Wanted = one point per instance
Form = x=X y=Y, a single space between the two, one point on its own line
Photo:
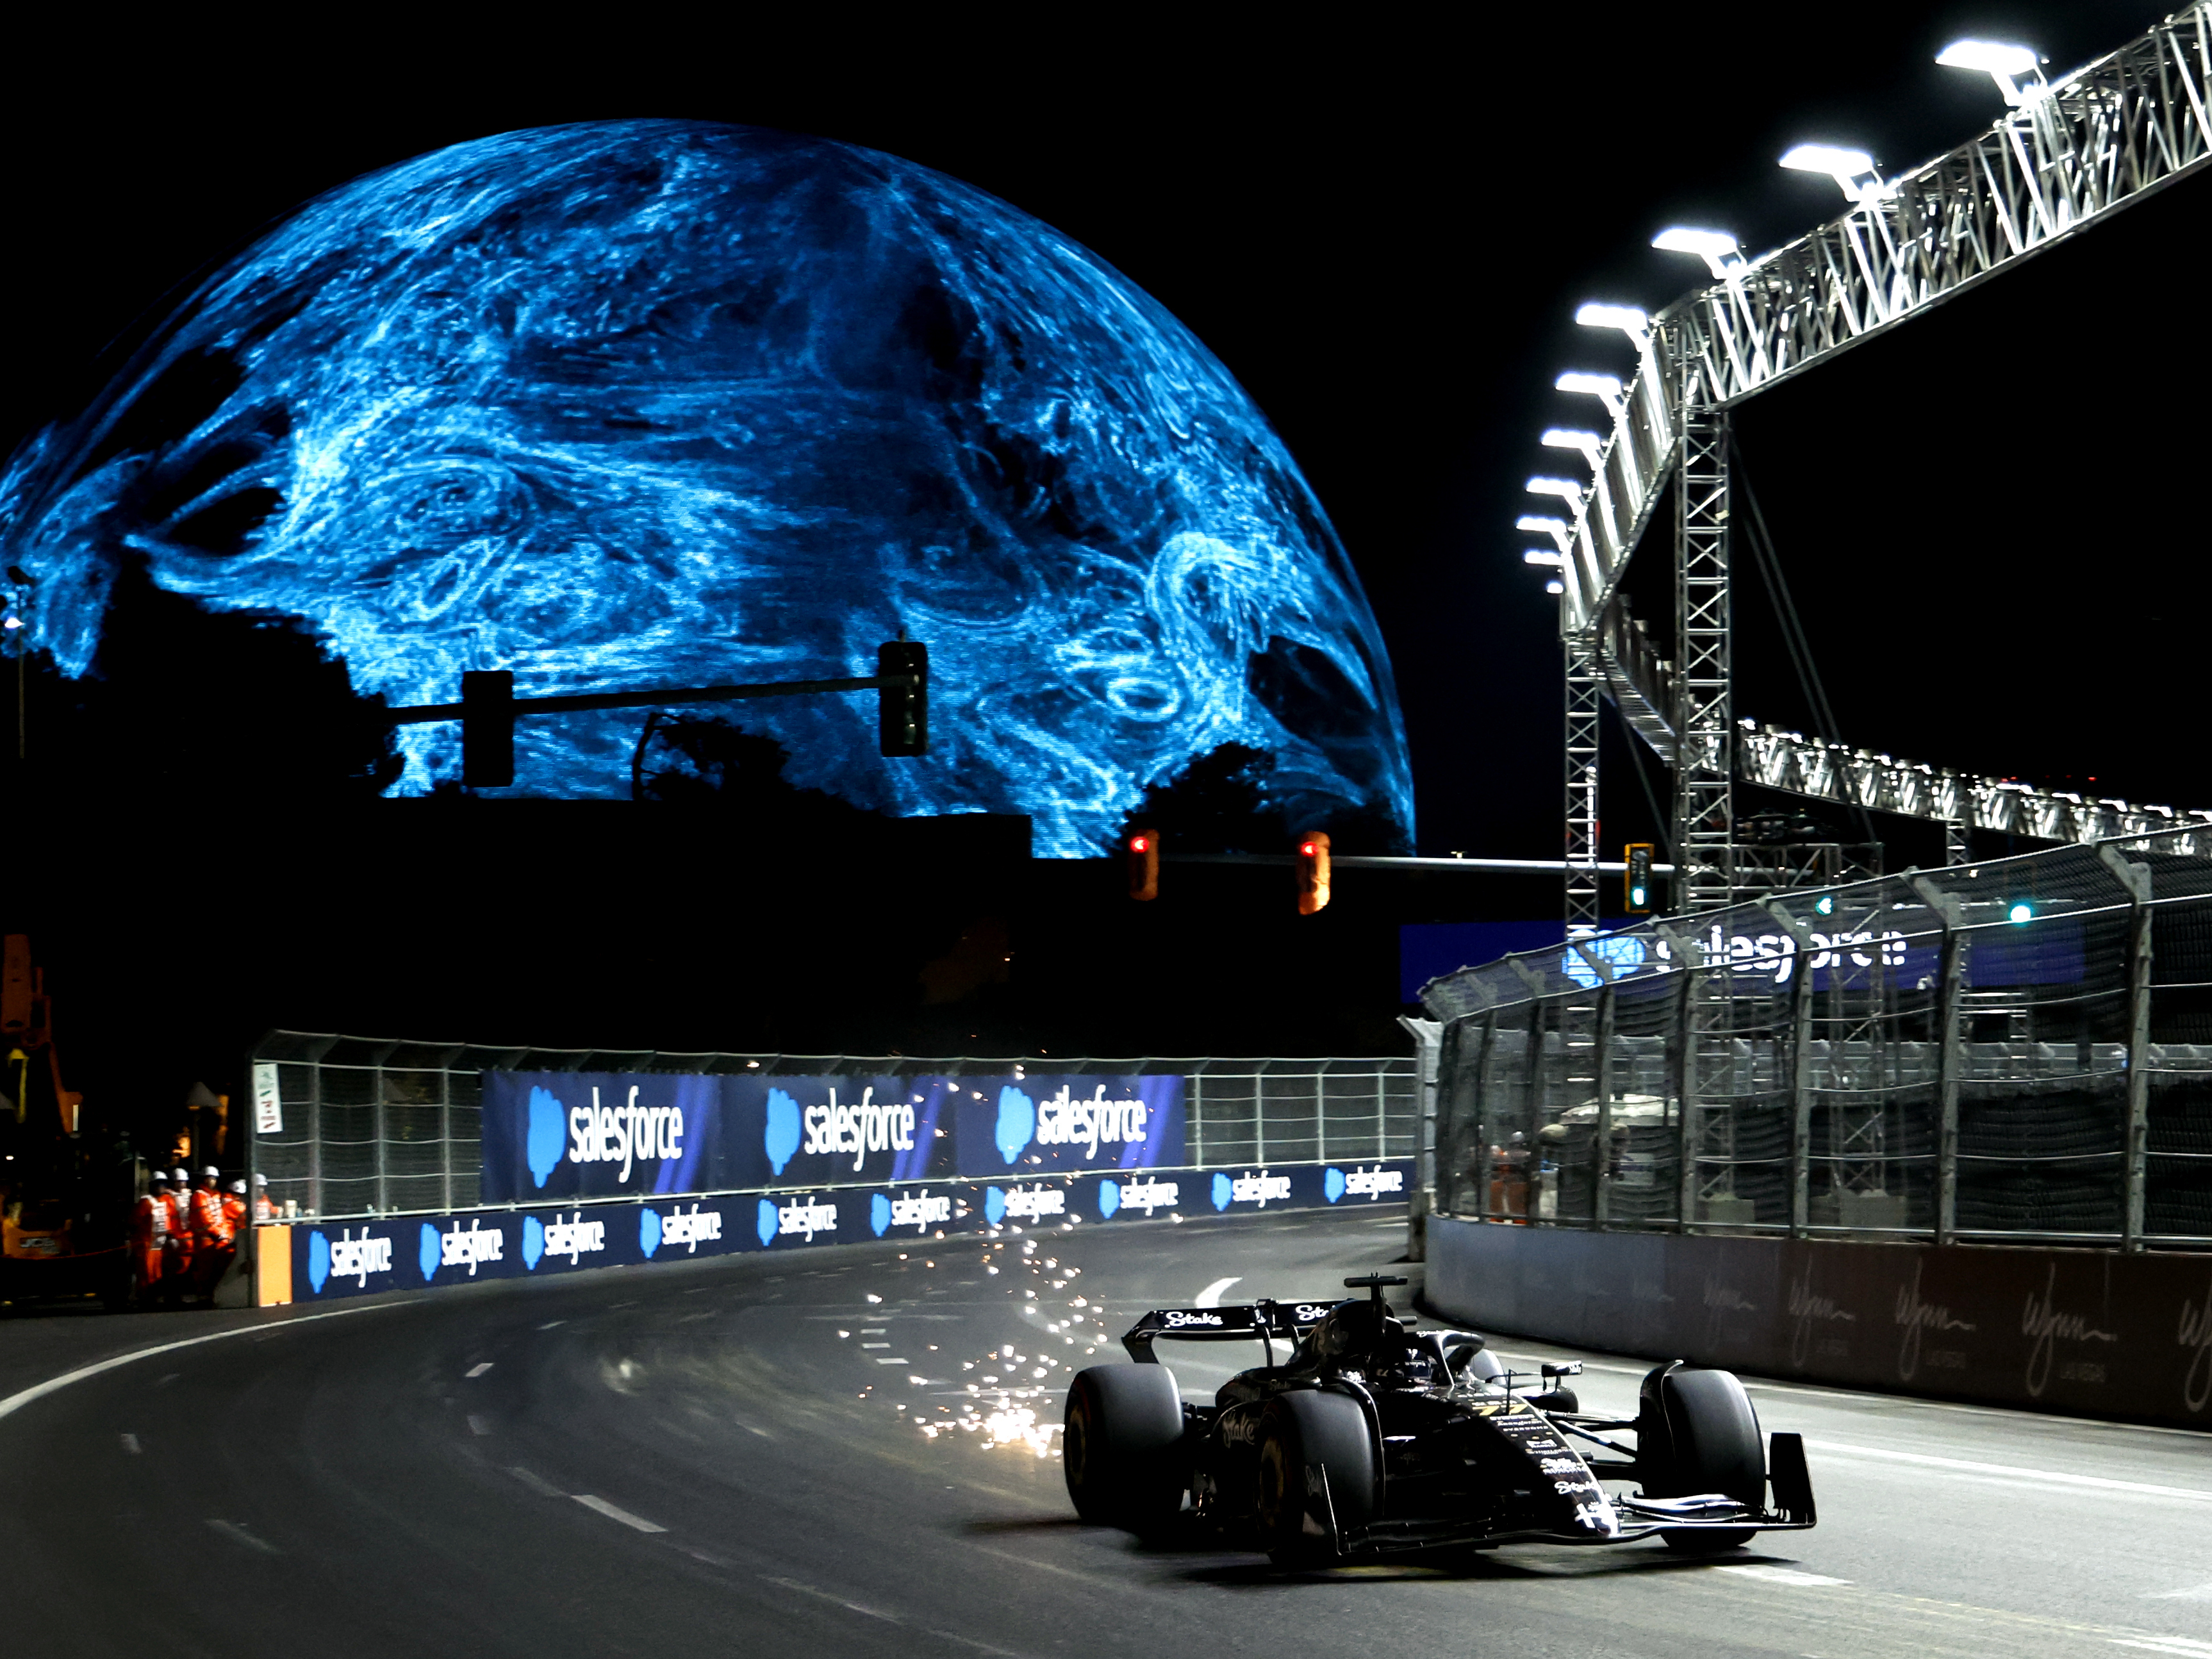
x=410 y=1252
x=582 y=1134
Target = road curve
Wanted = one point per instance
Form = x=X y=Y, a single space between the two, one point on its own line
x=725 y=1457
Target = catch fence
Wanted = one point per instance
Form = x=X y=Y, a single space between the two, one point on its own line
x=376 y=1126
x=2018 y=1051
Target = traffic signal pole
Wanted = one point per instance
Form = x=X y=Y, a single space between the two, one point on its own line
x=489 y=707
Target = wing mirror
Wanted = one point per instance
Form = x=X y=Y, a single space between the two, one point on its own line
x=1571 y=1368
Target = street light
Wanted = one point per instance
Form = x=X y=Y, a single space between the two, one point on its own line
x=1557 y=529
x=1716 y=247
x=1628 y=319
x=1603 y=387
x=1588 y=442
x=1555 y=587
x=1566 y=489
x=2002 y=62
x=1538 y=556
x=1853 y=170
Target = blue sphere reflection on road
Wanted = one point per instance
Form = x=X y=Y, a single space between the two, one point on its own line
x=649 y=403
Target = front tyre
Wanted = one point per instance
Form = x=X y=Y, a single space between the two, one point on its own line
x=1711 y=1444
x=1121 y=1447
x=1310 y=1444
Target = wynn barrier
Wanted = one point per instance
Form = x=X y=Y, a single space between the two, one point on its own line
x=1949 y=1131
x=405 y=1165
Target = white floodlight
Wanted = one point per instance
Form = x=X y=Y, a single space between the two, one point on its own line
x=1588 y=442
x=1716 y=247
x=1566 y=489
x=1557 y=529
x=1603 y=387
x=1555 y=587
x=1853 y=170
x=1538 y=556
x=2002 y=62
x=1628 y=319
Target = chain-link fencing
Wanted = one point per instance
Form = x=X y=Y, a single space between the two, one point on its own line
x=2018 y=1049
x=372 y=1126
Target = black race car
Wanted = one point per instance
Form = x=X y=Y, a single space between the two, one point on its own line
x=1372 y=1437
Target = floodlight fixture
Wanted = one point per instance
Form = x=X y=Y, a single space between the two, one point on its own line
x=1555 y=587
x=1589 y=443
x=1538 y=556
x=1853 y=170
x=1716 y=247
x=1557 y=529
x=1604 y=387
x=1566 y=489
x=2001 y=61
x=1629 y=320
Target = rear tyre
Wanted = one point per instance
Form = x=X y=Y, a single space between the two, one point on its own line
x=1121 y=1447
x=1302 y=1433
x=1708 y=1440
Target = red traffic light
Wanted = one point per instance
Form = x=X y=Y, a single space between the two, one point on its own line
x=1313 y=873
x=1143 y=864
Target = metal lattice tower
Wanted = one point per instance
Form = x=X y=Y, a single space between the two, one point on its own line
x=2063 y=157
x=1581 y=775
x=1704 y=814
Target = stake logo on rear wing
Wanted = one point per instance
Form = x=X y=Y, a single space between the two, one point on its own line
x=1250 y=1322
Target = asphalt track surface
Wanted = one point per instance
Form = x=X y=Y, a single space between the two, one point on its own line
x=723 y=1458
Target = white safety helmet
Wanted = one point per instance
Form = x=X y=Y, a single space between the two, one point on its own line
x=238 y=1186
x=211 y=1172
x=183 y=1177
x=261 y=1181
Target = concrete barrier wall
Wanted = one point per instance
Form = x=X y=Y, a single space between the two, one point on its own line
x=2084 y=1331
x=319 y=1260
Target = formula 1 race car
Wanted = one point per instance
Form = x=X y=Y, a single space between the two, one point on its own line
x=1370 y=1437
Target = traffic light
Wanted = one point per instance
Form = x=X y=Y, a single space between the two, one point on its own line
x=1313 y=872
x=487 y=728
x=1144 y=851
x=903 y=709
x=1636 y=880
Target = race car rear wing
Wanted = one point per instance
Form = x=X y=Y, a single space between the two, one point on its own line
x=1250 y=1321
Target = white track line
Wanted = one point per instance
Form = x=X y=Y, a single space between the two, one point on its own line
x=2048 y=1477
x=1211 y=1296
x=478 y=1370
x=15 y=1403
x=616 y=1512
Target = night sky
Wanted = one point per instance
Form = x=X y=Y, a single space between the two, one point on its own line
x=1993 y=519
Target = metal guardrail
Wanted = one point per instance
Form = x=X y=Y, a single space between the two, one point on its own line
x=382 y=1126
x=2017 y=1050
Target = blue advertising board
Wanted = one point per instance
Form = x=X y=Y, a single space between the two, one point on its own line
x=584 y=1134
x=363 y=1257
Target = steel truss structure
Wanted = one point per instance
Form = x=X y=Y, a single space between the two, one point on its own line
x=2066 y=157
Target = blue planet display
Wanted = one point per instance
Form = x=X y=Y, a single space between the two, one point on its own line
x=645 y=403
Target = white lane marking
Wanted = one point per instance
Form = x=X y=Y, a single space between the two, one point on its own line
x=894 y=1362
x=1211 y=1296
x=130 y=1444
x=875 y=1344
x=839 y=1600
x=537 y=1483
x=551 y=1323
x=238 y=1535
x=1783 y=1576
x=477 y=1425
x=2194 y=1592
x=616 y=1512
x=2181 y=1644
x=478 y=1370
x=2095 y=1482
x=15 y=1403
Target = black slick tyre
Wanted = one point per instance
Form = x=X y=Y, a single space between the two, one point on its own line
x=1711 y=1444
x=1316 y=1472
x=1121 y=1448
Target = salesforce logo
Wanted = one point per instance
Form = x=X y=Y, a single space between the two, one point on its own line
x=920 y=1211
x=1149 y=1195
x=1065 y=1121
x=1017 y=1123
x=1260 y=1190
x=689 y=1228
x=543 y=1143
x=801 y=1218
x=860 y=1128
x=346 y=1257
x=574 y=1238
x=1024 y=1203
x=1362 y=1182
x=469 y=1247
x=623 y=1134
x=781 y=1139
